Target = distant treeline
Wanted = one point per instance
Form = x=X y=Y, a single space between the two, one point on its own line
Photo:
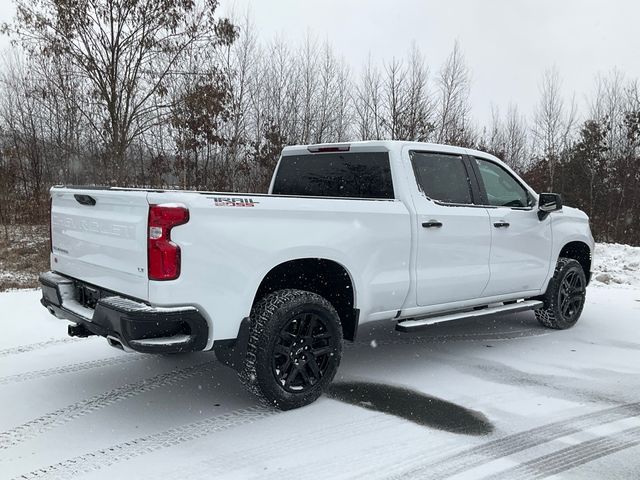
x=165 y=93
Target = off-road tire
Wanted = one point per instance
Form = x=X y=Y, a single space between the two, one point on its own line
x=551 y=315
x=268 y=318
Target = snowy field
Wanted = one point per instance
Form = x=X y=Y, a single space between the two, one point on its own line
x=500 y=399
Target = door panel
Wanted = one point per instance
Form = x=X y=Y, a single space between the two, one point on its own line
x=520 y=253
x=452 y=260
x=520 y=242
x=453 y=235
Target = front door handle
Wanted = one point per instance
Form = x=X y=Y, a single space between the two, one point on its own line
x=432 y=224
x=501 y=224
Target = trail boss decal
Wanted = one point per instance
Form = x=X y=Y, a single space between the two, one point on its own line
x=234 y=202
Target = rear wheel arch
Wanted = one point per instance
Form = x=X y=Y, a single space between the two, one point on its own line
x=326 y=277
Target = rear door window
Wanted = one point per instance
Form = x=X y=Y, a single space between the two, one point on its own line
x=442 y=177
x=348 y=174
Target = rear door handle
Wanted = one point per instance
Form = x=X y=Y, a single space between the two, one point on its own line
x=432 y=224
x=501 y=224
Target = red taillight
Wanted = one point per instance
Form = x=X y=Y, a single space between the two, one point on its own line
x=164 y=255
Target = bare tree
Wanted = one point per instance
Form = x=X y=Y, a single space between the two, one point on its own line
x=368 y=104
x=493 y=138
x=280 y=79
x=275 y=93
x=240 y=64
x=332 y=104
x=607 y=107
x=453 y=112
x=554 y=122
x=395 y=100
x=343 y=105
x=616 y=110
x=308 y=61
x=419 y=112
x=172 y=95
x=124 y=49
x=41 y=132
x=516 y=143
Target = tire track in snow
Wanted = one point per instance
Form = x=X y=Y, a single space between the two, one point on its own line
x=12 y=437
x=367 y=426
x=37 y=346
x=222 y=464
x=76 y=367
x=518 y=442
x=571 y=457
x=378 y=461
x=120 y=452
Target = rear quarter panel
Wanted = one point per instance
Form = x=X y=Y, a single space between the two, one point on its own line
x=228 y=250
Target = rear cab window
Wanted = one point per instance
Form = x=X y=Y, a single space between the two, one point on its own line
x=338 y=174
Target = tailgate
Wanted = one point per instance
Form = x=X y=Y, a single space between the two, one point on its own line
x=99 y=236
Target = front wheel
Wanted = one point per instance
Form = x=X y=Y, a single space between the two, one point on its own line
x=294 y=348
x=565 y=296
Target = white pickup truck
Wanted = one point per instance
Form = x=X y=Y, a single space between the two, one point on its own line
x=412 y=233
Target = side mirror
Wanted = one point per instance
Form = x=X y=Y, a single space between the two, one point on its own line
x=547 y=203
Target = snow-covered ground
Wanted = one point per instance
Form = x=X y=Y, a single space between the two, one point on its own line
x=616 y=264
x=501 y=399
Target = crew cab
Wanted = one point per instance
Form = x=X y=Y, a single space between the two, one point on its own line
x=405 y=232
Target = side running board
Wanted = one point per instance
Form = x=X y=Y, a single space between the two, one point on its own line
x=415 y=324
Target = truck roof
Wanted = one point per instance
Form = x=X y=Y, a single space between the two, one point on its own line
x=378 y=145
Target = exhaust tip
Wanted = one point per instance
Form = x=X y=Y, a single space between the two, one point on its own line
x=115 y=343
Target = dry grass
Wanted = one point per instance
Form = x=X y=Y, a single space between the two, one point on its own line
x=24 y=253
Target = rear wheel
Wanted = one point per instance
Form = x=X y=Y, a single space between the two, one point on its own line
x=565 y=296
x=294 y=348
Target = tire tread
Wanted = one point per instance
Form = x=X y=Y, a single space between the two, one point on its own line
x=547 y=315
x=261 y=316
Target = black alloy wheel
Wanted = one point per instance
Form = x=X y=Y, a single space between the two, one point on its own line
x=294 y=348
x=565 y=296
x=571 y=296
x=302 y=352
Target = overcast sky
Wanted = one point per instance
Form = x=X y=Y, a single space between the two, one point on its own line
x=507 y=44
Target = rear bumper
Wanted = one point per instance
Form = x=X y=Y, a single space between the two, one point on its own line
x=126 y=323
